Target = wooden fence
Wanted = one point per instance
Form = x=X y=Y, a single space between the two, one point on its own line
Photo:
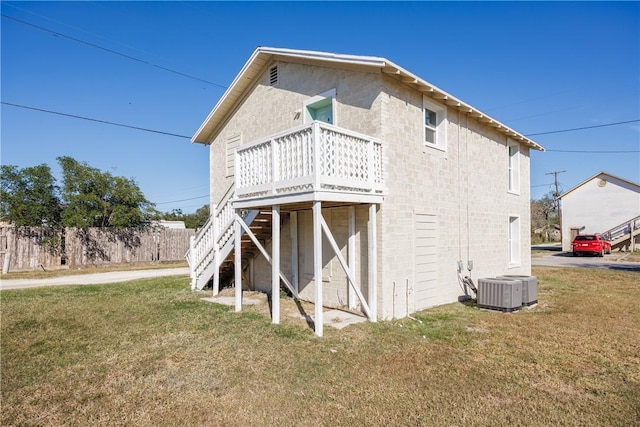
x=36 y=248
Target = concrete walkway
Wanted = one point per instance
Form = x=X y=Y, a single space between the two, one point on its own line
x=93 y=279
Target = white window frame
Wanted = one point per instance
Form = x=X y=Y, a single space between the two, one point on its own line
x=331 y=93
x=441 y=124
x=513 y=162
x=514 y=239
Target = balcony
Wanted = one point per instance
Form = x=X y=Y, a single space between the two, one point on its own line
x=313 y=162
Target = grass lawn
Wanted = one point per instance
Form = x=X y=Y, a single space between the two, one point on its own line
x=151 y=352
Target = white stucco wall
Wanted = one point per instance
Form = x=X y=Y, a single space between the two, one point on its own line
x=267 y=110
x=464 y=188
x=597 y=205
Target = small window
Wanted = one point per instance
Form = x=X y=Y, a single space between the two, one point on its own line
x=273 y=75
x=321 y=108
x=514 y=241
x=430 y=121
x=514 y=167
x=435 y=124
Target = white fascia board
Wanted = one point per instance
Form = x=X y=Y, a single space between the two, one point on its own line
x=242 y=81
x=451 y=100
x=372 y=61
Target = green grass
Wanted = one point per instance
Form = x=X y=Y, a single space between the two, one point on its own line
x=151 y=352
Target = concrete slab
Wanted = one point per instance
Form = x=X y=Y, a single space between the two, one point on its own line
x=340 y=319
x=335 y=318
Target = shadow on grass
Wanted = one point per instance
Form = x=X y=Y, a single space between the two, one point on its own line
x=308 y=319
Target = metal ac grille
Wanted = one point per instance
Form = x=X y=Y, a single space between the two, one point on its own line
x=529 y=288
x=500 y=294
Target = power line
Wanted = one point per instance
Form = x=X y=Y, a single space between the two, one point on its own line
x=188 y=137
x=596 y=151
x=581 y=128
x=182 y=200
x=78 y=29
x=555 y=176
x=56 y=33
x=95 y=120
x=542 y=185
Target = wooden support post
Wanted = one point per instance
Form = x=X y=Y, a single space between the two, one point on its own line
x=351 y=254
x=216 y=271
x=345 y=267
x=275 y=264
x=293 y=226
x=216 y=253
x=237 y=235
x=265 y=254
x=252 y=272
x=373 y=265
x=317 y=265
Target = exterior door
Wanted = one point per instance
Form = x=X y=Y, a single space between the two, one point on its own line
x=321 y=110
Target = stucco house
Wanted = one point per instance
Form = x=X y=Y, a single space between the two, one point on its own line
x=604 y=203
x=358 y=185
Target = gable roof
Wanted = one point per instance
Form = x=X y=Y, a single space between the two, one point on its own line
x=263 y=56
x=599 y=174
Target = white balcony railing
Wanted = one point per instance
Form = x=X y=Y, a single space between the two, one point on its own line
x=313 y=157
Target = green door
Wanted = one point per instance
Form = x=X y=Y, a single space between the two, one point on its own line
x=321 y=110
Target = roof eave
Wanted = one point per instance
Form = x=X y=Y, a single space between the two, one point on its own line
x=633 y=184
x=431 y=90
x=263 y=55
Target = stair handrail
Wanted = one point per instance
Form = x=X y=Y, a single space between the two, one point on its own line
x=621 y=229
x=209 y=234
x=223 y=214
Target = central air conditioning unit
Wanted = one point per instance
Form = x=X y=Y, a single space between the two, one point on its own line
x=500 y=294
x=529 y=288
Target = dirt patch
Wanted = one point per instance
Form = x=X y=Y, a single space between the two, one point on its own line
x=292 y=311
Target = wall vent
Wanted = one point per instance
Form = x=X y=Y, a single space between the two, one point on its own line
x=529 y=288
x=500 y=294
x=273 y=75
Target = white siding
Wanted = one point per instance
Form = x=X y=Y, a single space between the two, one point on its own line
x=426 y=257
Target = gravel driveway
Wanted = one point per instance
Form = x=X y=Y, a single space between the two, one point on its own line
x=93 y=279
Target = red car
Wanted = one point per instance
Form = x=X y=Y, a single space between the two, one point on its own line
x=590 y=244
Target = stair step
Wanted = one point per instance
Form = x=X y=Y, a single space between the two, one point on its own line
x=261 y=227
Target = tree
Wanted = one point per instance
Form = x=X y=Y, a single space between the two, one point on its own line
x=97 y=199
x=544 y=210
x=197 y=219
x=544 y=214
x=29 y=196
x=194 y=220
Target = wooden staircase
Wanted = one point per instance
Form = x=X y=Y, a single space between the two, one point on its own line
x=212 y=248
x=261 y=227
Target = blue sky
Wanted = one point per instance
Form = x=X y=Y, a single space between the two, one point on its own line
x=536 y=67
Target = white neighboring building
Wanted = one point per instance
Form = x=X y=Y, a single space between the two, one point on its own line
x=597 y=205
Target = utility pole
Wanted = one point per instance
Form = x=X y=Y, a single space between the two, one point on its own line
x=556 y=196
